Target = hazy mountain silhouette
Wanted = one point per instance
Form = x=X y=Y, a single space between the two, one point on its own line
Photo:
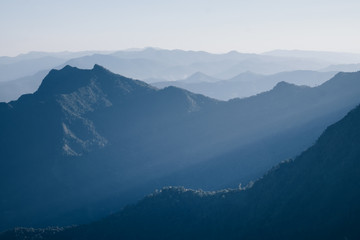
x=38 y=55
x=315 y=196
x=199 y=77
x=11 y=71
x=178 y=64
x=331 y=57
x=343 y=67
x=172 y=57
x=32 y=63
x=89 y=141
x=12 y=90
x=136 y=68
x=245 y=84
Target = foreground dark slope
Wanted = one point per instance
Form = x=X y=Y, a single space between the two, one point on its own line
x=89 y=141
x=316 y=196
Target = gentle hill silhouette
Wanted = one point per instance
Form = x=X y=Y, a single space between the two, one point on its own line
x=89 y=141
x=314 y=196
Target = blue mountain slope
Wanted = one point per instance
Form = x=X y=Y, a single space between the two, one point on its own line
x=314 y=196
x=89 y=141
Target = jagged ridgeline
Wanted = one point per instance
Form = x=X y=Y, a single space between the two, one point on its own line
x=315 y=196
x=90 y=141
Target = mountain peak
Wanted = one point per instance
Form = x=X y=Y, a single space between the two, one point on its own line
x=347 y=74
x=98 y=67
x=64 y=80
x=199 y=77
x=285 y=86
x=233 y=53
x=67 y=67
x=347 y=79
x=198 y=74
x=70 y=79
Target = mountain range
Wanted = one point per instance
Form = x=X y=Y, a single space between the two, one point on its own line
x=314 y=196
x=154 y=65
x=176 y=64
x=87 y=142
x=245 y=84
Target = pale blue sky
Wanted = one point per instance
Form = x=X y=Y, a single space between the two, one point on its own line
x=211 y=25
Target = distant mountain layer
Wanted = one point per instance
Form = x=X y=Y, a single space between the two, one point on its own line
x=12 y=90
x=25 y=65
x=89 y=141
x=245 y=84
x=315 y=196
x=177 y=64
x=339 y=57
x=12 y=71
x=343 y=67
